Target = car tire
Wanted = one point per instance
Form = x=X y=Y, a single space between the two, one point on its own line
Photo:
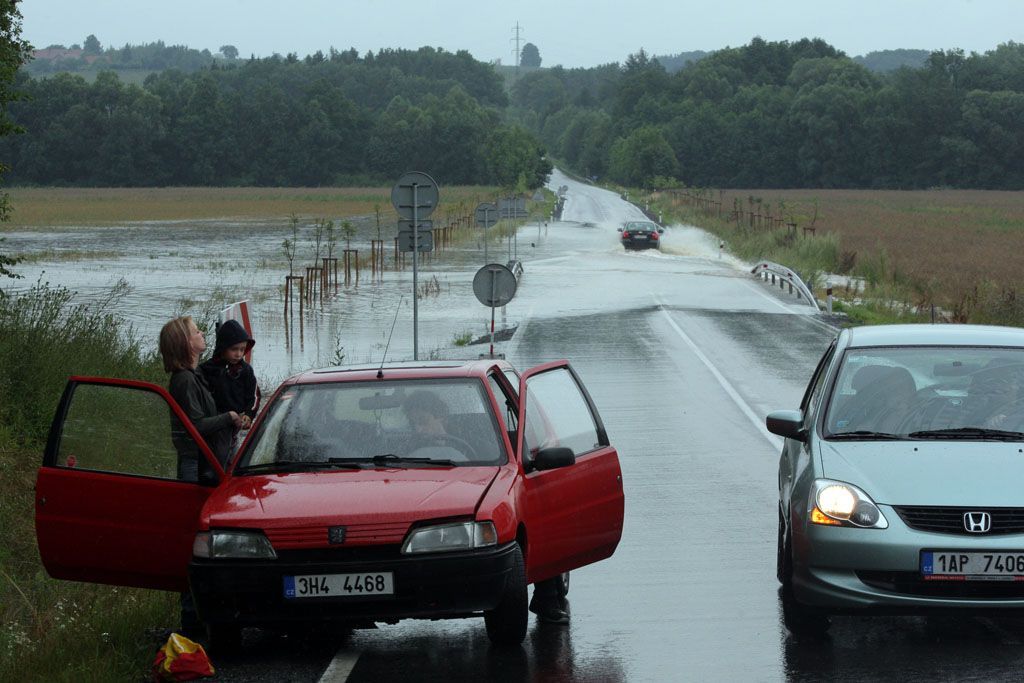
x=562 y=585
x=224 y=638
x=783 y=554
x=802 y=621
x=506 y=623
x=799 y=619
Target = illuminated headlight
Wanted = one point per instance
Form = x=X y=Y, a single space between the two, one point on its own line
x=836 y=503
x=235 y=545
x=445 y=537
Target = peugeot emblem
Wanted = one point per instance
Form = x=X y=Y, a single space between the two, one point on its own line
x=977 y=522
x=336 y=535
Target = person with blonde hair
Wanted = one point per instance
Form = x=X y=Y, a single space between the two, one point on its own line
x=181 y=345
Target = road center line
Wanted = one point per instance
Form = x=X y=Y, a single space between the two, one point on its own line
x=725 y=384
x=340 y=667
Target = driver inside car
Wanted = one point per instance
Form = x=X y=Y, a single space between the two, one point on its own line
x=426 y=414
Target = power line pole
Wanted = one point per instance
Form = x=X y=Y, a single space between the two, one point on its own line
x=517 y=40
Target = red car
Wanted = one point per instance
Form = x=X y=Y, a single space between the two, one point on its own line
x=427 y=490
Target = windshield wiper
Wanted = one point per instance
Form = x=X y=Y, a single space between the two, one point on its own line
x=865 y=435
x=968 y=433
x=299 y=466
x=392 y=460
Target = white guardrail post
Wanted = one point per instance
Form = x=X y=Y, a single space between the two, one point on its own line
x=767 y=270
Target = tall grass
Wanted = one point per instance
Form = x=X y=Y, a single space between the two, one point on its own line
x=956 y=252
x=55 y=630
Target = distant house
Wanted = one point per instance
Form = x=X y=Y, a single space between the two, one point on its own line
x=53 y=54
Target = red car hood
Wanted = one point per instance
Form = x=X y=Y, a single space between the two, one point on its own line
x=376 y=506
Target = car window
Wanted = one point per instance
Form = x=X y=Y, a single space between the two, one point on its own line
x=900 y=390
x=816 y=386
x=432 y=419
x=122 y=430
x=560 y=414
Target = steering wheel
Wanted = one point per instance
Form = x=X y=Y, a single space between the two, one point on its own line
x=925 y=414
x=1008 y=415
x=453 y=442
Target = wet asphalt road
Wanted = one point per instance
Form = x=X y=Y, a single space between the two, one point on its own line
x=684 y=353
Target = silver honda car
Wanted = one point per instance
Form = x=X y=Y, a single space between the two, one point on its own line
x=901 y=482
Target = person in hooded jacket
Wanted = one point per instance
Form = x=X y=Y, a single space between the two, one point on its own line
x=181 y=344
x=232 y=381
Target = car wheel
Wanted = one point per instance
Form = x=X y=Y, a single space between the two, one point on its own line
x=224 y=638
x=562 y=585
x=506 y=623
x=783 y=555
x=802 y=620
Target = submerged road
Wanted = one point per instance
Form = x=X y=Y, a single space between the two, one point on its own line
x=684 y=353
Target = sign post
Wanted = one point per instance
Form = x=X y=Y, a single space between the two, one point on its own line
x=494 y=285
x=415 y=196
x=486 y=217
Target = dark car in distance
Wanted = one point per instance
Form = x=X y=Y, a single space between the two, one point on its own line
x=641 y=235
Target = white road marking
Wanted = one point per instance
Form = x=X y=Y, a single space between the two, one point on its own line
x=725 y=384
x=340 y=667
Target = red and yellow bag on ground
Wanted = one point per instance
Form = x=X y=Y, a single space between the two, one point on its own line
x=181 y=659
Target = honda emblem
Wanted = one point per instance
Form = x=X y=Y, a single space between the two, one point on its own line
x=977 y=522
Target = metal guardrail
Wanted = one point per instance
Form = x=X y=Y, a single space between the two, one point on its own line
x=767 y=270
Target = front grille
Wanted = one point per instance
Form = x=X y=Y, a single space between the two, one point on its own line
x=308 y=537
x=366 y=553
x=950 y=520
x=911 y=583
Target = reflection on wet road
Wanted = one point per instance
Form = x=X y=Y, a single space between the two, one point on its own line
x=683 y=354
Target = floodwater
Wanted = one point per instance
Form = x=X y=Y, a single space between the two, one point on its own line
x=197 y=267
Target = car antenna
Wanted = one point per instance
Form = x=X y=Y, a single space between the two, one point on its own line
x=380 y=370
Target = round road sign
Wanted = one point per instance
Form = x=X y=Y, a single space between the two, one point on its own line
x=426 y=195
x=494 y=285
x=486 y=215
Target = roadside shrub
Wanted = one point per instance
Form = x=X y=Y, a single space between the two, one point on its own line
x=44 y=338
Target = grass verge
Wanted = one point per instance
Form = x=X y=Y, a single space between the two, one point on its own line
x=58 y=630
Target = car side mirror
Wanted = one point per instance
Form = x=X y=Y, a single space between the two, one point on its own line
x=787 y=423
x=619 y=229
x=661 y=231
x=553 y=458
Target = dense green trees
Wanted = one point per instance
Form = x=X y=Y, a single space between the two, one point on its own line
x=14 y=52
x=780 y=114
x=325 y=119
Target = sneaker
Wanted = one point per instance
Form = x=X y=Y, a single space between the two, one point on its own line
x=553 y=615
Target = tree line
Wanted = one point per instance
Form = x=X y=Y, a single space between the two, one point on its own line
x=335 y=118
x=781 y=114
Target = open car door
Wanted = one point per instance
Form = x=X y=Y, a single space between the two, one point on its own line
x=573 y=483
x=109 y=505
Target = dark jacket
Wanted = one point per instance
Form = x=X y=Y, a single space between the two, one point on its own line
x=190 y=390
x=234 y=387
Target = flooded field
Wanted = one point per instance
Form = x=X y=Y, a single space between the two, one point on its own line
x=197 y=267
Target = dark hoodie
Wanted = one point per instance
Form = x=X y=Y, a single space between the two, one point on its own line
x=233 y=386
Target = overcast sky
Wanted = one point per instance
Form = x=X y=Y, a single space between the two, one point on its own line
x=567 y=32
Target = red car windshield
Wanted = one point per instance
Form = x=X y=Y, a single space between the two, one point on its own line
x=388 y=423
